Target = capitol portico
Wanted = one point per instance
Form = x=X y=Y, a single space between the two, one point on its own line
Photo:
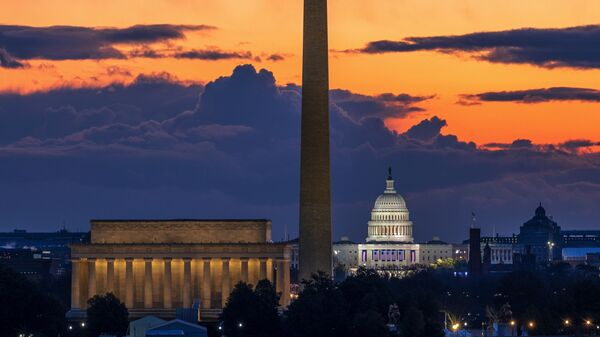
x=158 y=266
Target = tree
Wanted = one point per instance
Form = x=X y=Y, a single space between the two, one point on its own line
x=255 y=310
x=25 y=309
x=320 y=311
x=413 y=323
x=448 y=263
x=106 y=314
x=369 y=324
x=268 y=302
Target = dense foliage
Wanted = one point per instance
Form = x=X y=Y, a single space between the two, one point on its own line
x=26 y=309
x=547 y=299
x=106 y=314
x=426 y=300
x=252 y=312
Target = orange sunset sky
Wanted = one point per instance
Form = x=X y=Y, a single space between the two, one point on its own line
x=267 y=27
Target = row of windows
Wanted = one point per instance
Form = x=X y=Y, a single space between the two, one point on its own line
x=390 y=217
x=388 y=255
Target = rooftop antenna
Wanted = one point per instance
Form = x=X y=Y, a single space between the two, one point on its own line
x=473 y=219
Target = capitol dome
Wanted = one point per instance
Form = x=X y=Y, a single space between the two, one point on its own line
x=390 y=219
x=390 y=202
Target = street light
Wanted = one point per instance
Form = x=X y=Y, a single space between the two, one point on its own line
x=567 y=322
x=512 y=327
x=83 y=324
x=531 y=324
x=550 y=246
x=455 y=327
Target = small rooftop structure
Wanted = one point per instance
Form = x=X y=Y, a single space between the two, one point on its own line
x=138 y=327
x=178 y=327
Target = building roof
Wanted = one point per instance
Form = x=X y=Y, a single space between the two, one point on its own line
x=540 y=220
x=390 y=202
x=345 y=242
x=179 y=321
x=178 y=220
x=436 y=242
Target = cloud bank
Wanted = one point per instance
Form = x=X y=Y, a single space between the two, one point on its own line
x=537 y=95
x=574 y=47
x=21 y=43
x=78 y=43
x=161 y=148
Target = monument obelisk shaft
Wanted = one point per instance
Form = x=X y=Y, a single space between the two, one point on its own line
x=315 y=190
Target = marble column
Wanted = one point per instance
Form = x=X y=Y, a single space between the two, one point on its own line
x=75 y=296
x=262 y=269
x=110 y=275
x=244 y=269
x=283 y=281
x=167 y=291
x=148 y=282
x=91 y=277
x=129 y=282
x=226 y=281
x=187 y=282
x=206 y=288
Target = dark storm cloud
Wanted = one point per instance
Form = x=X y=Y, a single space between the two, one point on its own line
x=516 y=144
x=213 y=55
x=7 y=61
x=537 y=95
x=359 y=106
x=576 y=47
x=576 y=144
x=210 y=54
x=427 y=129
x=75 y=43
x=275 y=57
x=159 y=148
x=61 y=112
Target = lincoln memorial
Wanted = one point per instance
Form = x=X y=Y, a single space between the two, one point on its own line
x=158 y=266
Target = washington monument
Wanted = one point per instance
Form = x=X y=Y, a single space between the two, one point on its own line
x=315 y=190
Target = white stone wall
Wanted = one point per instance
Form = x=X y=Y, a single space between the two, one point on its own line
x=430 y=253
x=500 y=253
x=345 y=254
x=388 y=255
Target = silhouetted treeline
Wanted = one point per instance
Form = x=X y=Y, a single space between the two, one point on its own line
x=360 y=305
